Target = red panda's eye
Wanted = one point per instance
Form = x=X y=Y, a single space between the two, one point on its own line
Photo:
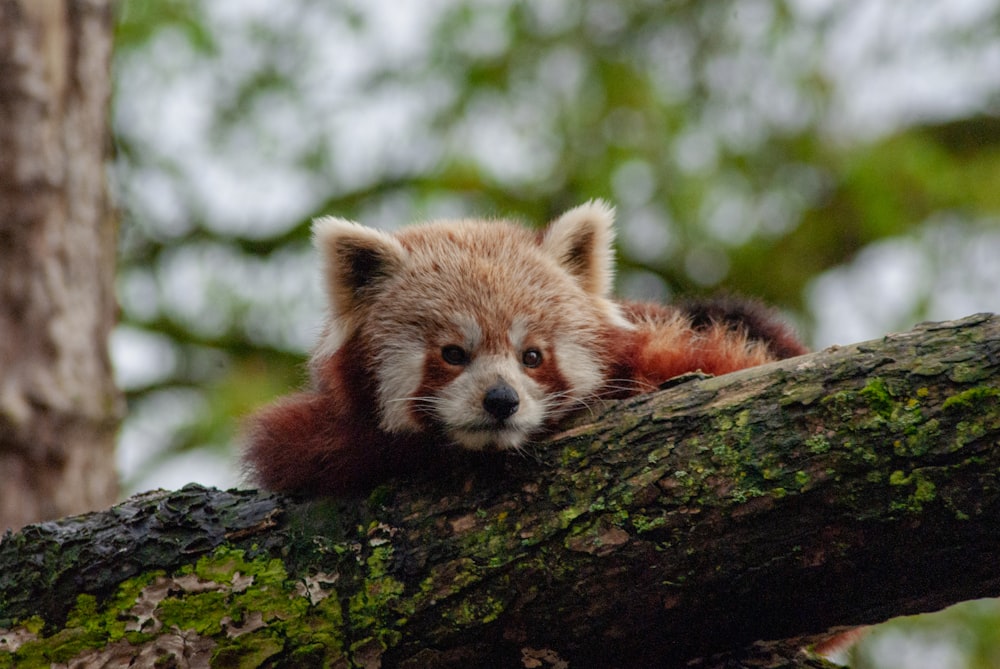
x=454 y=355
x=531 y=357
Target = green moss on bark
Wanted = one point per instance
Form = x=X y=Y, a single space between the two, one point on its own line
x=716 y=501
x=247 y=610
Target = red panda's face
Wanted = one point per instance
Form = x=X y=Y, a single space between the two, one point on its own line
x=486 y=331
x=480 y=335
x=486 y=383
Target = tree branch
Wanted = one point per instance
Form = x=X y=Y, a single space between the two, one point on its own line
x=838 y=488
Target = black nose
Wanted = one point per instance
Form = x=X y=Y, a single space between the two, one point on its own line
x=501 y=401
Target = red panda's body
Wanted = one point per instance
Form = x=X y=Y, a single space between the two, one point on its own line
x=483 y=334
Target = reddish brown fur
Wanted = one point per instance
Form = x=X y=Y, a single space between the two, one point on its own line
x=329 y=440
x=756 y=320
x=548 y=375
x=668 y=343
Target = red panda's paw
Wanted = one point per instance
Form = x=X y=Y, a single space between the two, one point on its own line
x=274 y=443
x=302 y=445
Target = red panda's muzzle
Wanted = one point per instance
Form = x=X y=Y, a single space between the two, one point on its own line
x=501 y=401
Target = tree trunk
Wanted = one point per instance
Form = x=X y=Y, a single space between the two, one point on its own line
x=59 y=408
x=673 y=529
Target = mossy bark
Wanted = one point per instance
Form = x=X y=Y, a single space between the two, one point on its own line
x=838 y=488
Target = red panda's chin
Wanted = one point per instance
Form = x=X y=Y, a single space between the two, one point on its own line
x=493 y=438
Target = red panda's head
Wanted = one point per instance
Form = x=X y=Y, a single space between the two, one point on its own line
x=484 y=329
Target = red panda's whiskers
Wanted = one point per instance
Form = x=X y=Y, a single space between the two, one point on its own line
x=421 y=400
x=572 y=399
x=634 y=387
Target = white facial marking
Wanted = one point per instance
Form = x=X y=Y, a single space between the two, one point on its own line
x=472 y=334
x=579 y=367
x=400 y=373
x=517 y=333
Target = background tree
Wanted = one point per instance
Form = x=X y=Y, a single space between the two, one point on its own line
x=59 y=407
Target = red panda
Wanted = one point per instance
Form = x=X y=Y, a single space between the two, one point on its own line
x=484 y=334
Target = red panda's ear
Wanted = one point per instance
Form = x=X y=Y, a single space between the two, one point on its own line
x=356 y=260
x=581 y=241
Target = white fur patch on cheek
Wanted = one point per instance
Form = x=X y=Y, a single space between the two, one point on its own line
x=580 y=367
x=400 y=373
x=460 y=401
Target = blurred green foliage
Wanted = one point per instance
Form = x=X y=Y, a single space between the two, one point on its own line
x=964 y=636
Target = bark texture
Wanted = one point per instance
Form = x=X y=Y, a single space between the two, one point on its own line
x=59 y=408
x=680 y=528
